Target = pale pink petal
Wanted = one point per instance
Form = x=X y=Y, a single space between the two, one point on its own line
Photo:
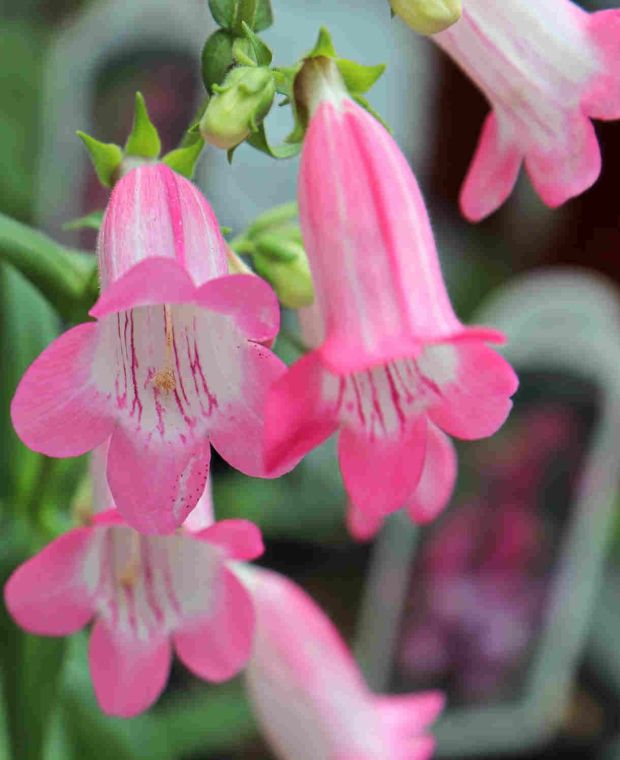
x=493 y=171
x=567 y=167
x=217 y=645
x=240 y=539
x=156 y=482
x=151 y=282
x=238 y=428
x=410 y=714
x=422 y=748
x=50 y=594
x=248 y=299
x=154 y=212
x=128 y=672
x=57 y=408
x=362 y=524
x=380 y=474
x=602 y=101
x=438 y=478
x=297 y=417
x=202 y=516
x=470 y=385
x=370 y=245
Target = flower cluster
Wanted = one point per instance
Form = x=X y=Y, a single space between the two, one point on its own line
x=178 y=358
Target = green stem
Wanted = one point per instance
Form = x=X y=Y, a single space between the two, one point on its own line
x=64 y=277
x=246 y=11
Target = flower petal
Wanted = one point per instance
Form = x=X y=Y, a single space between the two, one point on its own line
x=248 y=299
x=57 y=408
x=238 y=426
x=297 y=416
x=156 y=482
x=493 y=171
x=569 y=166
x=240 y=539
x=128 y=673
x=363 y=525
x=602 y=101
x=381 y=473
x=470 y=385
x=217 y=645
x=153 y=281
x=50 y=594
x=438 y=478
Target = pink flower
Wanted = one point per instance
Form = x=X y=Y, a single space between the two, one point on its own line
x=546 y=68
x=308 y=693
x=394 y=367
x=174 y=361
x=146 y=594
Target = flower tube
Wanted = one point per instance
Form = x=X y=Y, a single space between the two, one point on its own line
x=173 y=362
x=546 y=68
x=392 y=361
x=308 y=694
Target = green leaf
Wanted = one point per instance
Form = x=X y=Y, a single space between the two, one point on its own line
x=264 y=16
x=223 y=12
x=217 y=58
x=262 y=52
x=357 y=77
x=183 y=160
x=259 y=141
x=143 y=140
x=324 y=46
x=91 y=221
x=106 y=158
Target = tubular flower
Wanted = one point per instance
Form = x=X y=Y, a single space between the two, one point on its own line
x=146 y=595
x=308 y=693
x=393 y=362
x=546 y=68
x=173 y=362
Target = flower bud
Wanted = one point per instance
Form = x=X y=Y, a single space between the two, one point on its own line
x=282 y=261
x=238 y=106
x=428 y=16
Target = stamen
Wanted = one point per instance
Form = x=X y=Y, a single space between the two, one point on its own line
x=164 y=379
x=130 y=573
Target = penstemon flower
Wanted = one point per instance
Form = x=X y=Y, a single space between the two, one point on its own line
x=173 y=362
x=308 y=693
x=546 y=68
x=146 y=595
x=393 y=358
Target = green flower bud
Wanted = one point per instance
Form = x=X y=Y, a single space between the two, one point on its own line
x=428 y=16
x=238 y=106
x=283 y=263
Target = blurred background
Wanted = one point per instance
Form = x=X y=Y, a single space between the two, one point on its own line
x=476 y=600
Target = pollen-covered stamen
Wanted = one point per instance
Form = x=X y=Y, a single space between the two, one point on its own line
x=130 y=572
x=164 y=379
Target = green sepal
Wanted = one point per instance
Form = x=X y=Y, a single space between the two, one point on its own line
x=262 y=52
x=357 y=77
x=91 y=221
x=217 y=58
x=264 y=16
x=284 y=78
x=223 y=12
x=324 y=46
x=106 y=158
x=143 y=140
x=259 y=141
x=183 y=160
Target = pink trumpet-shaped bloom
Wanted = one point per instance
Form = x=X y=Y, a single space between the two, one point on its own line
x=546 y=68
x=173 y=362
x=146 y=595
x=392 y=367
x=308 y=693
